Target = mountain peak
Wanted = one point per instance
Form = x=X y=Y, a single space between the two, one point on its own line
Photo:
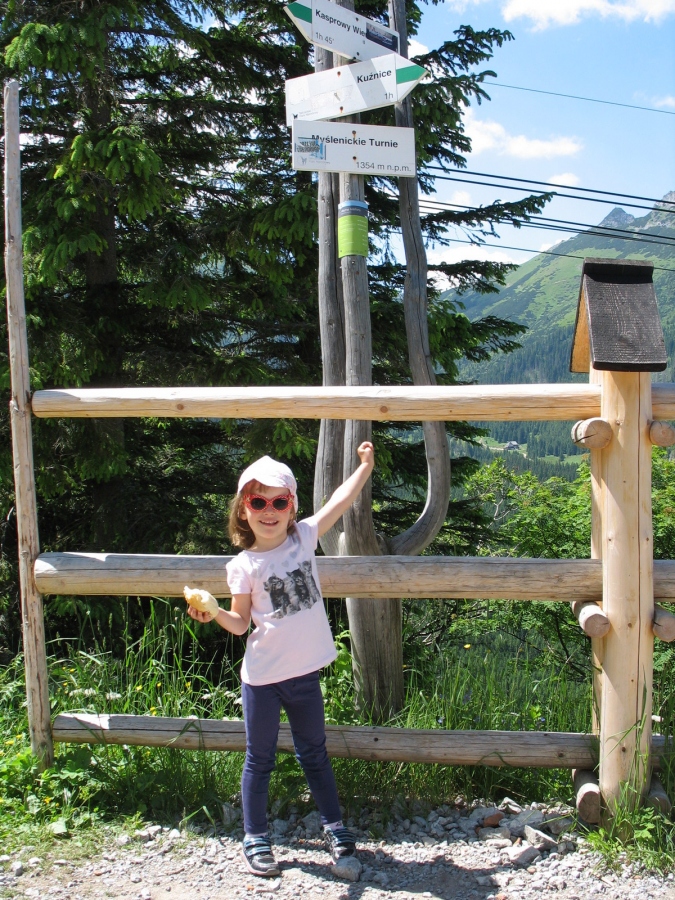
x=617 y=218
x=666 y=202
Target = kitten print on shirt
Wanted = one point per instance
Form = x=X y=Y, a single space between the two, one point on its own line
x=297 y=591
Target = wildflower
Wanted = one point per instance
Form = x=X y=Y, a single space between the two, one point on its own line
x=466 y=646
x=188 y=685
x=206 y=696
x=139 y=687
x=112 y=695
x=47 y=800
x=238 y=701
x=159 y=684
x=71 y=670
x=9 y=742
x=153 y=710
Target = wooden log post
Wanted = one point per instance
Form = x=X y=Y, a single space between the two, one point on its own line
x=618 y=338
x=628 y=590
x=664 y=624
x=662 y=434
x=35 y=655
x=592 y=620
x=597 y=641
x=657 y=797
x=405 y=403
x=587 y=793
x=595 y=434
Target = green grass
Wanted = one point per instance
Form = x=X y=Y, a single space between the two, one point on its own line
x=475 y=687
x=492 y=682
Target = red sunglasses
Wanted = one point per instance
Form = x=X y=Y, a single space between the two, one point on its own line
x=257 y=503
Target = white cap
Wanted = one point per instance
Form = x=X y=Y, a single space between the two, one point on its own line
x=271 y=473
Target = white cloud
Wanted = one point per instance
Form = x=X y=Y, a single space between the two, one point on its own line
x=665 y=101
x=415 y=48
x=546 y=13
x=566 y=179
x=549 y=246
x=461 y=198
x=459 y=252
x=487 y=135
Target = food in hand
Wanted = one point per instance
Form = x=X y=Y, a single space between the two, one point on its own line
x=201 y=600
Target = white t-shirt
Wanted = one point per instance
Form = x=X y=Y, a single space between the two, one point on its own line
x=292 y=636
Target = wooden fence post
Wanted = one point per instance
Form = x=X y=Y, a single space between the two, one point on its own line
x=628 y=590
x=597 y=644
x=35 y=655
x=619 y=339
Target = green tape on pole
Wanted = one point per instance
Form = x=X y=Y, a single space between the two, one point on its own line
x=352 y=228
x=352 y=236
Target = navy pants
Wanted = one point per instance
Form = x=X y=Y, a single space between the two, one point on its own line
x=302 y=700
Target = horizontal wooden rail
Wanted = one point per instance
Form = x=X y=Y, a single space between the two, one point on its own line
x=548 y=750
x=406 y=403
x=344 y=576
x=515 y=402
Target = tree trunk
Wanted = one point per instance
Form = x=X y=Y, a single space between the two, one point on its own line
x=419 y=535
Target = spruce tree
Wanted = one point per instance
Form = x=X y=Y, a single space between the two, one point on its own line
x=167 y=241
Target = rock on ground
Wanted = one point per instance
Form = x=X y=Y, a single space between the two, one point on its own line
x=420 y=853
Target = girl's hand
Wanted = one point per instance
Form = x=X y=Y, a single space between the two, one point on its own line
x=366 y=453
x=198 y=615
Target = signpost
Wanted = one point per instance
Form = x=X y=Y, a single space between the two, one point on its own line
x=345 y=32
x=354 y=148
x=382 y=81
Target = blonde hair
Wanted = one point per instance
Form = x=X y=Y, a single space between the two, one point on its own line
x=238 y=527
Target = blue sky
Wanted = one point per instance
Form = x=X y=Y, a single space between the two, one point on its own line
x=618 y=51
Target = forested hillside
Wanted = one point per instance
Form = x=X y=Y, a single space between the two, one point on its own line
x=542 y=294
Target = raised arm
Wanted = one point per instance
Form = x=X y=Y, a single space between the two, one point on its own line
x=345 y=495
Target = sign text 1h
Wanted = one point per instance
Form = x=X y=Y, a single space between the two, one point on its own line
x=345 y=90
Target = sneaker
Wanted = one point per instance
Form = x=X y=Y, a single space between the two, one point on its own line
x=258 y=857
x=340 y=842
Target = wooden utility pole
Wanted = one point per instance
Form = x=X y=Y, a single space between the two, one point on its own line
x=330 y=452
x=35 y=656
x=375 y=625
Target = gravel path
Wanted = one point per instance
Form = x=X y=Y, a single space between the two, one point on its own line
x=480 y=853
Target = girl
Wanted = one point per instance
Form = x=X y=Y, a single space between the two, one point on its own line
x=274 y=581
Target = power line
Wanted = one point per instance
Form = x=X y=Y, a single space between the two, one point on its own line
x=524 y=250
x=514 y=87
x=562 y=225
x=552 y=184
x=508 y=187
x=607 y=230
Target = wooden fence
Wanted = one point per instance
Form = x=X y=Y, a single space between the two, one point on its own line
x=618 y=340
